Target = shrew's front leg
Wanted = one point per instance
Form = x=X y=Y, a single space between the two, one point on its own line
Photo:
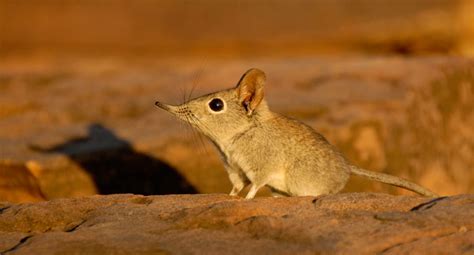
x=238 y=180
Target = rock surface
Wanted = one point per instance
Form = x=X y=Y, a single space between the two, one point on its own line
x=349 y=223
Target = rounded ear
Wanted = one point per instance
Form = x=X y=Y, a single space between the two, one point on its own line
x=250 y=89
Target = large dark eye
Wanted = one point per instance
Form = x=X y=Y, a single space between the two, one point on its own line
x=216 y=105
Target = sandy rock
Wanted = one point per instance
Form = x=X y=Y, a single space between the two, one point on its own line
x=362 y=223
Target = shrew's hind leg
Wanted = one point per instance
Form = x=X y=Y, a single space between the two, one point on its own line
x=259 y=182
x=236 y=189
x=253 y=190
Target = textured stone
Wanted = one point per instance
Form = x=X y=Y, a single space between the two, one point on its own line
x=355 y=223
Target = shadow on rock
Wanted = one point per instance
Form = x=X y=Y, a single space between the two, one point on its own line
x=117 y=168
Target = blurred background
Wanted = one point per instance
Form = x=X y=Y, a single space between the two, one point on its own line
x=389 y=82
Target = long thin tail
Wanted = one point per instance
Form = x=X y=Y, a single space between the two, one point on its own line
x=392 y=180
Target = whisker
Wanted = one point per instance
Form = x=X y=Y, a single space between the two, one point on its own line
x=184 y=95
x=190 y=127
x=193 y=87
x=189 y=121
x=186 y=126
x=199 y=134
x=197 y=77
x=200 y=142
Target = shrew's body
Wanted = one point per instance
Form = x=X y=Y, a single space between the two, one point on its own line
x=263 y=148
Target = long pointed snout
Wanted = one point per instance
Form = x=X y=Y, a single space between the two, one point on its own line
x=179 y=111
x=163 y=106
x=173 y=109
